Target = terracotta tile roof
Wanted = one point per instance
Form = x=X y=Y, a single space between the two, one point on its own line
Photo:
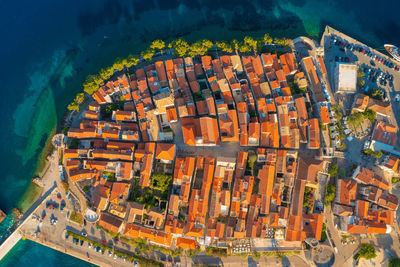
x=385 y=133
x=72 y=164
x=186 y=243
x=117 y=145
x=376 y=228
x=110 y=222
x=313 y=134
x=312 y=225
x=211 y=106
x=174 y=226
x=308 y=169
x=96 y=164
x=356 y=229
x=150 y=235
x=366 y=176
x=94 y=115
x=322 y=64
x=362 y=208
x=325 y=119
x=209 y=130
x=346 y=191
x=165 y=151
x=70 y=153
x=361 y=102
x=119 y=191
x=266 y=177
x=313 y=77
x=379 y=107
x=171 y=114
x=190 y=130
x=201 y=107
x=77 y=174
x=270 y=134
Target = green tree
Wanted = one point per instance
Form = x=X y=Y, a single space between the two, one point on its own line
x=251 y=42
x=92 y=84
x=251 y=160
x=132 y=60
x=86 y=188
x=330 y=194
x=394 y=262
x=376 y=94
x=323 y=233
x=333 y=170
x=308 y=197
x=267 y=39
x=74 y=143
x=342 y=146
x=235 y=45
x=368 y=151
x=367 y=251
x=225 y=47
x=198 y=49
x=180 y=46
x=119 y=64
x=370 y=115
x=355 y=119
x=377 y=154
x=244 y=48
x=106 y=73
x=75 y=105
x=157 y=45
x=360 y=73
x=148 y=54
x=161 y=181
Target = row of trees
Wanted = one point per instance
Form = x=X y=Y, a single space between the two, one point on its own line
x=181 y=48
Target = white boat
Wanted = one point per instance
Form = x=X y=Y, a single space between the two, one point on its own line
x=393 y=51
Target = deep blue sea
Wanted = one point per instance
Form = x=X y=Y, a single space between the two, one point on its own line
x=48 y=47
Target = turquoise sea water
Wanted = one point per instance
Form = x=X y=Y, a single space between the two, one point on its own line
x=49 y=47
x=27 y=252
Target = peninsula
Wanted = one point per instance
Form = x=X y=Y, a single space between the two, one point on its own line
x=216 y=153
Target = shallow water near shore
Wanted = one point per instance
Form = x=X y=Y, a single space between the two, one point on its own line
x=51 y=47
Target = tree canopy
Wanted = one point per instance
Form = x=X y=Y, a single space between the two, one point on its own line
x=148 y=54
x=355 y=119
x=157 y=45
x=251 y=42
x=267 y=39
x=330 y=194
x=180 y=46
x=394 y=262
x=75 y=105
x=225 y=47
x=200 y=48
x=333 y=169
x=370 y=115
x=161 y=181
x=376 y=94
x=367 y=251
x=235 y=45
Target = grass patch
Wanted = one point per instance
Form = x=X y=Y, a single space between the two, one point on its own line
x=76 y=217
x=217 y=252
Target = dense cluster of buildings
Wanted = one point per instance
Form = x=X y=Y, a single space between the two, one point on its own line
x=143 y=188
x=363 y=203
